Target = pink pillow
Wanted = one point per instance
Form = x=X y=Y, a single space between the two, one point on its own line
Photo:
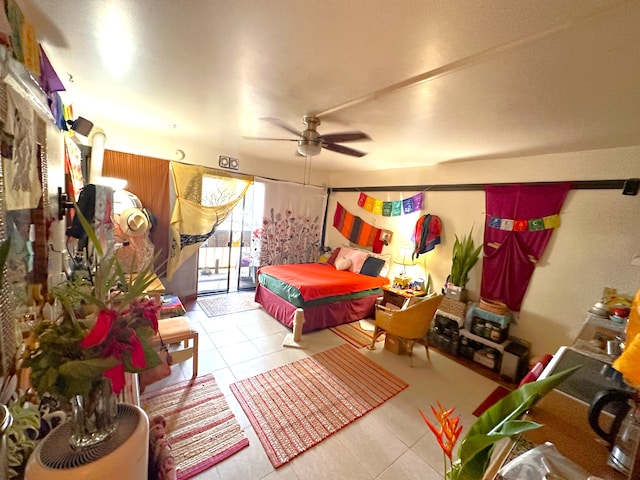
x=357 y=258
x=342 y=263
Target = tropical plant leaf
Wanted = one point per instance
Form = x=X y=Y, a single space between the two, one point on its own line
x=501 y=420
x=464 y=257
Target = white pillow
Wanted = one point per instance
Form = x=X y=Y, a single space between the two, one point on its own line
x=342 y=263
x=384 y=256
x=357 y=258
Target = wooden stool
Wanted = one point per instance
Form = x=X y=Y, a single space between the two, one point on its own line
x=177 y=330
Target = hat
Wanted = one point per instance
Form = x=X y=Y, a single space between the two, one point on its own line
x=134 y=222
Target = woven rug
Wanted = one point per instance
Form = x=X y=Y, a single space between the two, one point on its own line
x=230 y=303
x=201 y=427
x=296 y=406
x=355 y=334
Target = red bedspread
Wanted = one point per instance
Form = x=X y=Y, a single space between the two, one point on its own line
x=319 y=280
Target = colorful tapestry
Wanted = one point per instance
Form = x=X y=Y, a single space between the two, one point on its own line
x=357 y=230
x=22 y=186
x=513 y=247
x=199 y=211
x=292 y=221
x=393 y=208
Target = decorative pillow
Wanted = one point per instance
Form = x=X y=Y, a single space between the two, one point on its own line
x=342 y=263
x=357 y=258
x=384 y=256
x=372 y=266
x=332 y=258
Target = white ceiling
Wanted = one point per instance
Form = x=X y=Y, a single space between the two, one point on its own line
x=429 y=81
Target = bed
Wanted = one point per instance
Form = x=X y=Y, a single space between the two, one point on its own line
x=328 y=295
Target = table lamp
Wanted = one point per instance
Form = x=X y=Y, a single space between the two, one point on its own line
x=405 y=258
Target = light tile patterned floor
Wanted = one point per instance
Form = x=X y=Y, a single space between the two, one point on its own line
x=391 y=442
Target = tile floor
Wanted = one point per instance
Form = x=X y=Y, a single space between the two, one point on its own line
x=390 y=443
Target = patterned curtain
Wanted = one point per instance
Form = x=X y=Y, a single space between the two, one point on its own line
x=204 y=199
x=292 y=221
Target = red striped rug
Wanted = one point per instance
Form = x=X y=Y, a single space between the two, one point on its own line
x=354 y=334
x=296 y=406
x=201 y=428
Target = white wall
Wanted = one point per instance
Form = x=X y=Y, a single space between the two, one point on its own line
x=592 y=249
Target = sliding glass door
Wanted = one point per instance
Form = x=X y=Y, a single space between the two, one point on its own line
x=225 y=262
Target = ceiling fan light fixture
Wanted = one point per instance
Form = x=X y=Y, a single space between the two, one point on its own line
x=308 y=148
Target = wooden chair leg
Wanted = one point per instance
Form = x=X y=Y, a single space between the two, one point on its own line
x=376 y=333
x=410 y=344
x=194 y=374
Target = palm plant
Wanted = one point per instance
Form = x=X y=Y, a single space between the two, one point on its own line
x=464 y=257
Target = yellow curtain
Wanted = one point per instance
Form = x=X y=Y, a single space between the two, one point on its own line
x=204 y=199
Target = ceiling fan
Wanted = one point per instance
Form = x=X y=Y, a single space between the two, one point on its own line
x=310 y=142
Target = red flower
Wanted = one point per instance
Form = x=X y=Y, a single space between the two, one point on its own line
x=101 y=329
x=116 y=375
x=137 y=352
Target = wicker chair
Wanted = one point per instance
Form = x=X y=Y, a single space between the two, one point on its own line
x=409 y=325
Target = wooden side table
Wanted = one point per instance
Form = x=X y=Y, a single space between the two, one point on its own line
x=399 y=296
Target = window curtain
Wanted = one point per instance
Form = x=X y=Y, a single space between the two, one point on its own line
x=292 y=221
x=199 y=211
x=520 y=221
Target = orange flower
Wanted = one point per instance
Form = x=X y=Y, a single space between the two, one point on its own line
x=448 y=431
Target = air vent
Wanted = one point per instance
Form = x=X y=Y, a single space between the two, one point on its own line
x=56 y=452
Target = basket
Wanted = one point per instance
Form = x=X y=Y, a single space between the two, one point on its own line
x=453 y=307
x=493 y=306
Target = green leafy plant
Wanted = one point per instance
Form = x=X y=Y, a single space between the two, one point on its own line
x=105 y=331
x=501 y=420
x=464 y=257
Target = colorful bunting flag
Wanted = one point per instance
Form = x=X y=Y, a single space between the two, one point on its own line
x=393 y=208
x=531 y=225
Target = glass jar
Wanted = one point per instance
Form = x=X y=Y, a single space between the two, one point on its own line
x=487 y=330
x=478 y=328
x=496 y=333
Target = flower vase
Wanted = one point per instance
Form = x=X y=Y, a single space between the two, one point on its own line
x=94 y=415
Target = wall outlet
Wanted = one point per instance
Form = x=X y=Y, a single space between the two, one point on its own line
x=228 y=162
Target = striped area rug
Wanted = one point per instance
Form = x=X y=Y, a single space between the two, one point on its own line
x=296 y=406
x=355 y=334
x=201 y=427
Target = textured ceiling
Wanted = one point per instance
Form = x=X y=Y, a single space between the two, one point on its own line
x=429 y=81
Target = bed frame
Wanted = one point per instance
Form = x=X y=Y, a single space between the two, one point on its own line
x=316 y=317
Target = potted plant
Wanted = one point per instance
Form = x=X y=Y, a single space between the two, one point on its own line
x=464 y=257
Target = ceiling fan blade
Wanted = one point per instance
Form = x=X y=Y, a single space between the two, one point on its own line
x=334 y=147
x=268 y=138
x=345 y=137
x=281 y=124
